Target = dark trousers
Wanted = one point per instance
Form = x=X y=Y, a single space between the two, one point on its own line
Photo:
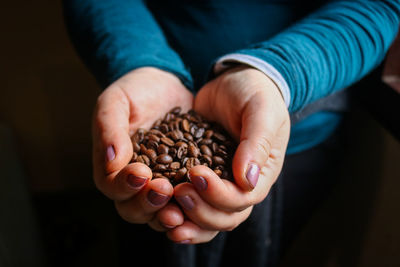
x=261 y=240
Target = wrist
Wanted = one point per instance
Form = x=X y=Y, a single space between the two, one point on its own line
x=234 y=59
x=255 y=79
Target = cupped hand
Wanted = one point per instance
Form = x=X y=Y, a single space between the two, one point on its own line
x=134 y=101
x=249 y=105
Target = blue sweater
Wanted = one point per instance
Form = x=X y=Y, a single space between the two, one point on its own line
x=319 y=47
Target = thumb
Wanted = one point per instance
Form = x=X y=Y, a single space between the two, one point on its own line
x=261 y=150
x=112 y=148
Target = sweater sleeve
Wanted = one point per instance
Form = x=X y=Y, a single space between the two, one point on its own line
x=116 y=36
x=331 y=48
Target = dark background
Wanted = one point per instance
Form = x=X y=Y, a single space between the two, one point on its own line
x=50 y=212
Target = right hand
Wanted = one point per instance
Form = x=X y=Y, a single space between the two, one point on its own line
x=134 y=101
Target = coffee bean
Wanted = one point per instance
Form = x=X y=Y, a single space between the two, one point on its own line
x=139 y=135
x=143 y=159
x=152 y=145
x=176 y=110
x=143 y=149
x=214 y=147
x=180 y=174
x=218 y=160
x=188 y=136
x=172 y=152
x=218 y=172
x=172 y=174
x=198 y=141
x=177 y=124
x=167 y=141
x=222 y=147
x=179 y=142
x=164 y=159
x=171 y=126
x=176 y=135
x=134 y=156
x=192 y=162
x=185 y=125
x=221 y=152
x=219 y=137
x=164 y=128
x=208 y=134
x=136 y=147
x=207 y=159
x=151 y=154
x=182 y=150
x=153 y=137
x=193 y=129
x=205 y=150
x=184 y=160
x=162 y=149
x=174 y=165
x=220 y=167
x=199 y=132
x=157 y=133
x=160 y=168
x=157 y=122
x=193 y=151
x=206 y=142
x=194 y=118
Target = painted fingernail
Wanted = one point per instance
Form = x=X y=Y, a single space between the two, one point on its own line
x=186 y=202
x=199 y=182
x=110 y=153
x=156 y=198
x=187 y=241
x=135 y=182
x=252 y=174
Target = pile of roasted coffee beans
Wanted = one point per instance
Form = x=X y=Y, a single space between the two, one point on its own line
x=179 y=142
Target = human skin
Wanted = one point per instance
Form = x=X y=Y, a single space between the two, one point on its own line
x=134 y=101
x=239 y=99
x=249 y=105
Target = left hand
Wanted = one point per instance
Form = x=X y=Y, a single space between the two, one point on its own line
x=249 y=105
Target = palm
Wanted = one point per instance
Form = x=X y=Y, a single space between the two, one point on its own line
x=147 y=97
x=231 y=100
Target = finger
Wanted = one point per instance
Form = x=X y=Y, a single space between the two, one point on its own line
x=259 y=132
x=167 y=218
x=205 y=215
x=220 y=193
x=112 y=148
x=142 y=207
x=127 y=183
x=190 y=233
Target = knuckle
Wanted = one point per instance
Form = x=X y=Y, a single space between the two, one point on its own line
x=242 y=207
x=264 y=145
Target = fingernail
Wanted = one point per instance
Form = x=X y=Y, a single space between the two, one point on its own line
x=169 y=226
x=156 y=198
x=186 y=202
x=135 y=181
x=253 y=172
x=199 y=182
x=187 y=241
x=110 y=153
